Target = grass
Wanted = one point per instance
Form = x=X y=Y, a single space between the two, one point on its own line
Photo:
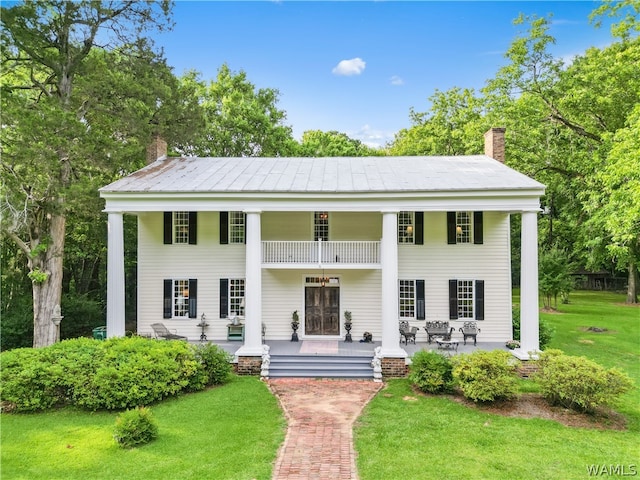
x=234 y=431
x=405 y=435
x=227 y=432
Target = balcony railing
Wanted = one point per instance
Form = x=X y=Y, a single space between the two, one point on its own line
x=347 y=253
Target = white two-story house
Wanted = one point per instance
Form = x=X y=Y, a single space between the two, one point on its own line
x=385 y=238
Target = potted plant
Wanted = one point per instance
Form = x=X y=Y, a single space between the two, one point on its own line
x=512 y=344
x=295 y=323
x=347 y=326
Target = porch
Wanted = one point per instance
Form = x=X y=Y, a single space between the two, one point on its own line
x=339 y=359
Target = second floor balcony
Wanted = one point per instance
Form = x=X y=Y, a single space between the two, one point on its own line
x=314 y=254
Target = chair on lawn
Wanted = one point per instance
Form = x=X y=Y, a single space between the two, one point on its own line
x=407 y=332
x=160 y=331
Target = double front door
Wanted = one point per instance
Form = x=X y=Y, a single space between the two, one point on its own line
x=322 y=310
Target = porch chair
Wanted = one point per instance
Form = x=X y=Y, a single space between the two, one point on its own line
x=407 y=332
x=438 y=329
x=160 y=331
x=470 y=329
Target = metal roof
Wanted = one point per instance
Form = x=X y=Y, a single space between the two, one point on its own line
x=324 y=175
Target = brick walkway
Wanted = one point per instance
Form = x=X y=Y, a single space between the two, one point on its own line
x=320 y=415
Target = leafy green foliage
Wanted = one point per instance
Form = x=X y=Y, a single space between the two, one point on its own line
x=135 y=427
x=114 y=374
x=545 y=329
x=81 y=315
x=431 y=372
x=17 y=324
x=486 y=376
x=579 y=383
x=216 y=363
x=316 y=143
x=554 y=276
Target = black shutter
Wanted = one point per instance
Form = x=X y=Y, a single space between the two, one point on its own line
x=224 y=297
x=420 y=306
x=224 y=228
x=168 y=228
x=419 y=228
x=479 y=299
x=451 y=228
x=477 y=228
x=193 y=298
x=167 y=299
x=193 y=228
x=453 y=299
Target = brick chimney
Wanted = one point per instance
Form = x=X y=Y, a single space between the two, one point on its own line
x=494 y=143
x=156 y=149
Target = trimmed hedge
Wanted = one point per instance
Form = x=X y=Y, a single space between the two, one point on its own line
x=578 y=383
x=117 y=373
x=431 y=372
x=486 y=376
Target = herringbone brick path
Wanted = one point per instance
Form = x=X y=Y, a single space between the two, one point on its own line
x=320 y=415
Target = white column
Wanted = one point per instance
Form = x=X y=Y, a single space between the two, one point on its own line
x=529 y=306
x=253 y=288
x=115 y=276
x=389 y=295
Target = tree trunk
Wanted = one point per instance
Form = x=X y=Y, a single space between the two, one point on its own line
x=47 y=295
x=632 y=287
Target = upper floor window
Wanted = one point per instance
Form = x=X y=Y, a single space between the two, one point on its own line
x=465 y=227
x=180 y=228
x=236 y=227
x=405 y=227
x=321 y=226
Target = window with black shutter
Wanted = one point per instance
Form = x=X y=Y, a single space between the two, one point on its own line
x=224 y=298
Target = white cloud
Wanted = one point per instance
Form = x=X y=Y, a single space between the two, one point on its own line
x=371 y=137
x=355 y=66
x=396 y=80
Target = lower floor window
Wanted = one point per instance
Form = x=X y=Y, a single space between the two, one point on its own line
x=465 y=299
x=180 y=298
x=407 y=298
x=236 y=296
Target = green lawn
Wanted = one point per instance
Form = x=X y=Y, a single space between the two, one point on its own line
x=228 y=432
x=234 y=431
x=404 y=435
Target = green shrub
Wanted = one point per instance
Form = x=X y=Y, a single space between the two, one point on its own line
x=486 y=376
x=579 y=383
x=135 y=427
x=216 y=363
x=431 y=372
x=114 y=374
x=138 y=371
x=30 y=382
x=545 y=330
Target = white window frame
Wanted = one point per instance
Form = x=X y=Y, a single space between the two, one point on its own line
x=407 y=299
x=181 y=228
x=236 y=227
x=321 y=226
x=236 y=296
x=406 y=227
x=466 y=299
x=180 y=300
x=464 y=227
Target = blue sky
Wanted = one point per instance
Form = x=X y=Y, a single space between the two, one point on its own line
x=358 y=67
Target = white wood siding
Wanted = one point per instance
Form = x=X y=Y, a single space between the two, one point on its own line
x=360 y=291
x=436 y=263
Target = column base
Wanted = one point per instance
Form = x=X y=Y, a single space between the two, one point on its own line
x=246 y=351
x=521 y=354
x=394 y=367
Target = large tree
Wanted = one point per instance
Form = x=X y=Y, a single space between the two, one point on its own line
x=240 y=120
x=316 y=143
x=49 y=143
